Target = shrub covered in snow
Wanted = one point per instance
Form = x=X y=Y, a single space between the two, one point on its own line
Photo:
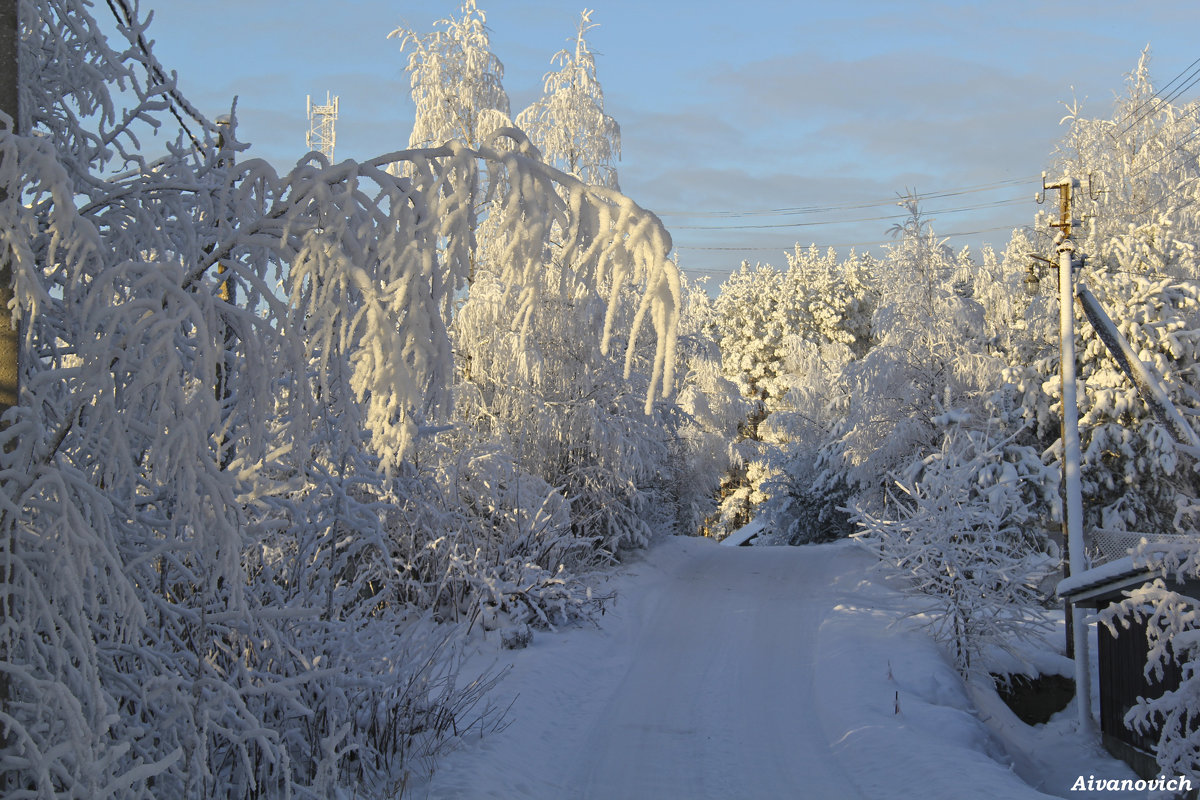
x=960 y=533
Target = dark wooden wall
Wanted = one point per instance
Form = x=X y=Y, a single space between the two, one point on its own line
x=1122 y=681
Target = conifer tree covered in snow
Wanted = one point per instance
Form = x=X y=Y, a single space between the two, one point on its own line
x=1135 y=476
x=749 y=321
x=876 y=403
x=784 y=338
x=807 y=490
x=252 y=568
x=750 y=325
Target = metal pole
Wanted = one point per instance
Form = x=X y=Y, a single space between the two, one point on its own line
x=1073 y=494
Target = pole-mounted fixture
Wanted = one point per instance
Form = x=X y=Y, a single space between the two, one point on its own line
x=1033 y=281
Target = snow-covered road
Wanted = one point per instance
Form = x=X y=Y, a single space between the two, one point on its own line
x=751 y=673
x=700 y=711
x=699 y=684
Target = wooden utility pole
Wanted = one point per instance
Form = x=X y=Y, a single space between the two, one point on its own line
x=227 y=290
x=9 y=337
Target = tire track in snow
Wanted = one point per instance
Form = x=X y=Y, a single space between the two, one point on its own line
x=718 y=699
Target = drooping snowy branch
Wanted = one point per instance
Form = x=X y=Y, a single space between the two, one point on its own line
x=221 y=486
x=608 y=242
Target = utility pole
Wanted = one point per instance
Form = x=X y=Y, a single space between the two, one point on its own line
x=10 y=339
x=227 y=290
x=1071 y=456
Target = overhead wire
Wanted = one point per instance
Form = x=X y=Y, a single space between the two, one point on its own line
x=826 y=223
x=1176 y=190
x=1136 y=115
x=757 y=248
x=176 y=102
x=832 y=208
x=854 y=204
x=1182 y=82
x=1191 y=80
x=846 y=206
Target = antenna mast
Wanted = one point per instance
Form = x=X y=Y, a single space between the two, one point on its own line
x=321 y=119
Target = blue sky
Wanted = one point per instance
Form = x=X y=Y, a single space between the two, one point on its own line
x=726 y=109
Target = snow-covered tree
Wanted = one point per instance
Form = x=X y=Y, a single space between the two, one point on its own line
x=567 y=410
x=960 y=531
x=562 y=407
x=785 y=338
x=838 y=298
x=930 y=358
x=1016 y=300
x=246 y=580
x=1140 y=180
x=749 y=319
x=750 y=327
x=569 y=124
x=457 y=82
x=1134 y=474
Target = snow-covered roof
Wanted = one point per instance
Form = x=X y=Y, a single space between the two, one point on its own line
x=1121 y=573
x=1118 y=571
x=745 y=533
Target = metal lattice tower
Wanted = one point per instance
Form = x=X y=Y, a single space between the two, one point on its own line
x=321 y=119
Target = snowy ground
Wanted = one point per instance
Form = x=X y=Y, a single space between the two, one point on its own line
x=761 y=672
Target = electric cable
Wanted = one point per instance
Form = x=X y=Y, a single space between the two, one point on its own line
x=884 y=218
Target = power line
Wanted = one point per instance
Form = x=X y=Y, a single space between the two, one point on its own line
x=854 y=204
x=826 y=223
x=1167 y=196
x=175 y=100
x=1135 y=117
x=875 y=243
x=1178 y=147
